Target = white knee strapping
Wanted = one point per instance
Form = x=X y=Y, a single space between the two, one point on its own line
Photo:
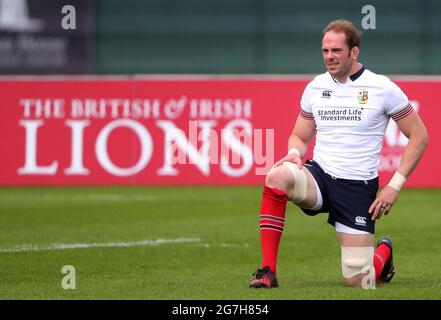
x=300 y=182
x=356 y=260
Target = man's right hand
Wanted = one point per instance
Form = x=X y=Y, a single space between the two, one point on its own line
x=290 y=157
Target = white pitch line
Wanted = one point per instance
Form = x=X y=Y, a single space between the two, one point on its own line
x=66 y=246
x=106 y=198
x=226 y=245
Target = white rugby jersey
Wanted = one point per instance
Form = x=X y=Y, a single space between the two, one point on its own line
x=351 y=119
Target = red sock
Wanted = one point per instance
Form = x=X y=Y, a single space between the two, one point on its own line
x=381 y=255
x=272 y=223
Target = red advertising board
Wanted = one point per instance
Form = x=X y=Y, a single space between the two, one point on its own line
x=150 y=131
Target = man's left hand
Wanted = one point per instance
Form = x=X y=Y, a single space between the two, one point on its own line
x=383 y=203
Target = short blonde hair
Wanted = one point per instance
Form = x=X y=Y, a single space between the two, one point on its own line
x=353 y=35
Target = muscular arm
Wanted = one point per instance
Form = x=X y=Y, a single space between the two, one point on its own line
x=414 y=129
x=300 y=138
x=302 y=135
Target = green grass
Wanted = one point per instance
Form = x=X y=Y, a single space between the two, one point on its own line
x=217 y=266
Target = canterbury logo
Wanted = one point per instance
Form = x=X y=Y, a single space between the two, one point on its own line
x=326 y=93
x=360 y=221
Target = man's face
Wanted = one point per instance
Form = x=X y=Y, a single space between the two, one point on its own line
x=336 y=54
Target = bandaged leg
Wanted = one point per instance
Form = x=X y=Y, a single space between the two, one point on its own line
x=356 y=260
x=300 y=182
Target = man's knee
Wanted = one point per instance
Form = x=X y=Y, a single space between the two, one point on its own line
x=300 y=190
x=279 y=178
x=355 y=281
x=289 y=178
x=356 y=264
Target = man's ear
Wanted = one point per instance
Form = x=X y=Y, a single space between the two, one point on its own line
x=355 y=51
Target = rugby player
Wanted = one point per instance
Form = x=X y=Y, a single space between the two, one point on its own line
x=348 y=108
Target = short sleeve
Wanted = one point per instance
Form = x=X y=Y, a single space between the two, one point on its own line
x=305 y=104
x=397 y=103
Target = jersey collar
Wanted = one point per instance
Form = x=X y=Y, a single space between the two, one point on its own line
x=357 y=75
x=354 y=76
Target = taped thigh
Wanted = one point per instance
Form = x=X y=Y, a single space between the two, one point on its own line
x=300 y=182
x=356 y=260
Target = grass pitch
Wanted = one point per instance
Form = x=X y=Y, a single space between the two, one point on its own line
x=194 y=243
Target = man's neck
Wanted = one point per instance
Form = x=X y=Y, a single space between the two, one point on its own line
x=354 y=69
